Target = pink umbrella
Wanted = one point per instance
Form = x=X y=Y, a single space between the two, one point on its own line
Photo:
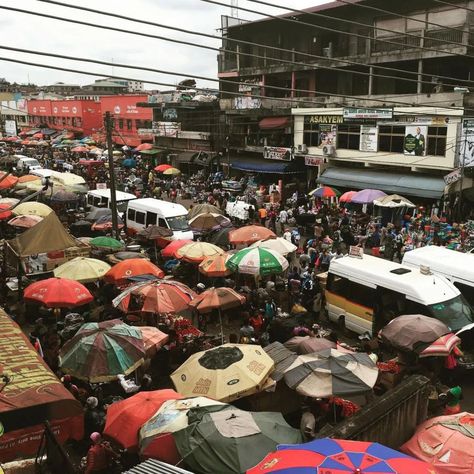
x=442 y=347
x=347 y=197
x=144 y=146
x=367 y=196
x=80 y=149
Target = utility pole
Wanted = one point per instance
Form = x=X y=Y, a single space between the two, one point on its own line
x=113 y=197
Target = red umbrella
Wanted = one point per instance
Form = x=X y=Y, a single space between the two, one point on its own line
x=5 y=212
x=125 y=418
x=8 y=182
x=161 y=168
x=250 y=234
x=144 y=146
x=347 y=197
x=170 y=250
x=217 y=298
x=58 y=293
x=153 y=339
x=26 y=221
x=119 y=273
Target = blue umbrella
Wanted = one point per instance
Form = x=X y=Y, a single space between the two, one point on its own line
x=130 y=163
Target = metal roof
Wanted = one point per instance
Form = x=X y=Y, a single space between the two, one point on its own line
x=152 y=466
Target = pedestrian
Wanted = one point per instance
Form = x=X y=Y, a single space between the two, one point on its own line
x=257 y=321
x=100 y=456
x=262 y=215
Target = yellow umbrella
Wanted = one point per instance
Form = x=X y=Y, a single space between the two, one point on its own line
x=32 y=208
x=225 y=373
x=82 y=269
x=172 y=171
x=196 y=252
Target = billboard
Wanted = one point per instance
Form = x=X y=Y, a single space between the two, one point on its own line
x=10 y=128
x=466 y=151
x=415 y=140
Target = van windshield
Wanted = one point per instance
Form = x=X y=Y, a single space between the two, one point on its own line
x=455 y=313
x=31 y=162
x=177 y=223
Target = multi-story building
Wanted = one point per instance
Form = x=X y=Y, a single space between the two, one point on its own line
x=13 y=116
x=62 y=88
x=292 y=94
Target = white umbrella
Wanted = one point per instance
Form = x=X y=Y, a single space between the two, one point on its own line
x=393 y=201
x=277 y=244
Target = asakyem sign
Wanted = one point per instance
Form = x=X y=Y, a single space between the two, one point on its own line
x=277 y=153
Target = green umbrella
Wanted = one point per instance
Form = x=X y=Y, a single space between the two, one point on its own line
x=101 y=351
x=106 y=242
x=257 y=261
x=154 y=151
x=227 y=440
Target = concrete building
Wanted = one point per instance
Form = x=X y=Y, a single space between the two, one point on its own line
x=62 y=88
x=13 y=116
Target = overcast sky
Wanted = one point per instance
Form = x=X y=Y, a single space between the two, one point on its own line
x=26 y=31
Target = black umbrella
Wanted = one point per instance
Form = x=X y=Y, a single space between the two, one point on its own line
x=64 y=197
x=155 y=232
x=221 y=237
x=97 y=213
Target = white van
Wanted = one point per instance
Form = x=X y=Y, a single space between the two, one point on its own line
x=25 y=164
x=457 y=267
x=101 y=198
x=364 y=294
x=142 y=213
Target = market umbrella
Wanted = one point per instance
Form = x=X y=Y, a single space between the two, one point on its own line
x=257 y=261
x=99 y=352
x=155 y=151
x=122 y=271
x=393 y=201
x=334 y=456
x=7 y=182
x=446 y=442
x=82 y=269
x=442 y=347
x=32 y=209
x=153 y=232
x=58 y=293
x=196 y=252
x=144 y=146
x=161 y=168
x=105 y=223
x=64 y=197
x=228 y=440
x=413 y=332
x=323 y=192
x=129 y=163
x=27 y=178
x=171 y=172
x=208 y=221
x=125 y=255
x=25 y=221
x=314 y=344
x=161 y=296
x=332 y=373
x=80 y=149
x=347 y=196
x=367 y=196
x=214 y=266
x=170 y=250
x=225 y=373
x=8 y=200
x=125 y=418
x=221 y=237
x=250 y=234
x=153 y=339
x=156 y=440
x=106 y=243
x=97 y=213
x=5 y=212
x=203 y=208
x=278 y=244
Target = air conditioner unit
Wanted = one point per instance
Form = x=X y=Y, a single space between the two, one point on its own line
x=329 y=150
x=302 y=148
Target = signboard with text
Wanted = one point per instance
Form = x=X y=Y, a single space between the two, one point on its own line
x=312 y=161
x=368 y=138
x=367 y=113
x=466 y=151
x=277 y=153
x=453 y=177
x=10 y=128
x=324 y=119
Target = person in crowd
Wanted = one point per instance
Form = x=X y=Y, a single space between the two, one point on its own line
x=100 y=456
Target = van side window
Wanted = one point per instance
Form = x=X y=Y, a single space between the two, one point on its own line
x=150 y=218
x=140 y=217
x=337 y=285
x=131 y=214
x=361 y=294
x=162 y=223
x=466 y=290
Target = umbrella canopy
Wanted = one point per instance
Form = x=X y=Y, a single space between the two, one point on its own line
x=277 y=244
x=143 y=146
x=172 y=171
x=99 y=352
x=106 y=242
x=153 y=339
x=413 y=332
x=7 y=182
x=225 y=373
x=58 y=293
x=97 y=213
x=393 y=200
x=129 y=163
x=347 y=196
x=201 y=209
x=24 y=222
x=156 y=440
x=323 y=192
x=446 y=442
x=154 y=232
x=155 y=151
x=250 y=234
x=367 y=196
x=214 y=266
x=125 y=418
x=170 y=250
x=334 y=456
x=27 y=178
x=125 y=269
x=105 y=223
x=257 y=261
x=208 y=221
x=217 y=298
x=314 y=344
x=82 y=269
x=331 y=372
x=32 y=209
x=127 y=255
x=161 y=168
x=5 y=212
x=196 y=252
x=162 y=297
x=80 y=149
x=64 y=197
x=9 y=200
x=228 y=440
x=442 y=347
x=221 y=237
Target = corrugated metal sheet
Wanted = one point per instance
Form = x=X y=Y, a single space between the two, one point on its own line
x=152 y=466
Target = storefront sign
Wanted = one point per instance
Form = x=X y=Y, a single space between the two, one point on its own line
x=415 y=140
x=101 y=186
x=312 y=161
x=356 y=252
x=423 y=120
x=367 y=113
x=453 y=177
x=170 y=114
x=10 y=127
x=325 y=119
x=162 y=129
x=277 y=153
x=368 y=138
x=244 y=102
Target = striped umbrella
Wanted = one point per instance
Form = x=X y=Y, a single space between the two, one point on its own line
x=196 y=252
x=257 y=261
x=442 y=347
x=215 y=266
x=332 y=373
x=101 y=351
x=324 y=192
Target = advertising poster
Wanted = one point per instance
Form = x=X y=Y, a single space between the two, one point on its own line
x=327 y=135
x=369 y=136
x=415 y=140
x=467 y=143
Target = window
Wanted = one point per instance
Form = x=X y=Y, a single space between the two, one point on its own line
x=139 y=124
x=129 y=124
x=437 y=141
x=162 y=223
x=361 y=294
x=466 y=290
x=131 y=214
x=140 y=217
x=151 y=218
x=391 y=138
x=120 y=124
x=337 y=285
x=348 y=136
x=311 y=134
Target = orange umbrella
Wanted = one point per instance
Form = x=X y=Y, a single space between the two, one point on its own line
x=249 y=234
x=217 y=298
x=119 y=273
x=153 y=339
x=7 y=182
x=215 y=266
x=5 y=212
x=27 y=178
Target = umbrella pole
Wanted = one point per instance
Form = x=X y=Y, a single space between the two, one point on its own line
x=222 y=327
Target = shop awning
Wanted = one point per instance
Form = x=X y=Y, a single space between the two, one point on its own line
x=256 y=165
x=274 y=122
x=152 y=466
x=413 y=184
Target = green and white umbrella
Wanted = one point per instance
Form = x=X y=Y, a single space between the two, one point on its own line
x=257 y=261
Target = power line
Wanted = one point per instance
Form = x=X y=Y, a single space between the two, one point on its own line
x=241 y=53
x=455 y=6
x=159 y=71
